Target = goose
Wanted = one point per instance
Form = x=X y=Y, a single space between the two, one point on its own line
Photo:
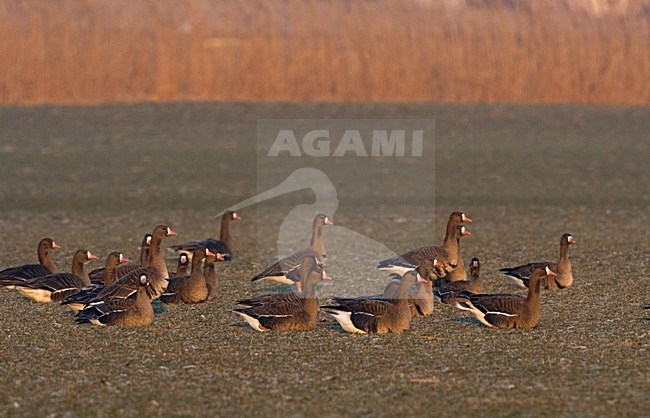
x=223 y=246
x=505 y=310
x=183 y=266
x=375 y=315
x=156 y=258
x=421 y=302
x=77 y=299
x=447 y=292
x=55 y=287
x=123 y=312
x=157 y=273
x=287 y=270
x=192 y=288
x=294 y=311
x=30 y=271
x=211 y=279
x=97 y=275
x=448 y=253
x=561 y=280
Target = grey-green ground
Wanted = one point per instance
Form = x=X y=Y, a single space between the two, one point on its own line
x=101 y=177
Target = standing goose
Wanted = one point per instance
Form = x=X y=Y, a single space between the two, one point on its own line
x=223 y=246
x=157 y=273
x=76 y=300
x=97 y=275
x=294 y=311
x=505 y=310
x=448 y=291
x=448 y=253
x=136 y=312
x=287 y=270
x=192 y=288
x=55 y=287
x=375 y=315
x=561 y=280
x=30 y=271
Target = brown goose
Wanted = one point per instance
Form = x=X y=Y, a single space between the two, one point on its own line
x=156 y=257
x=563 y=279
x=422 y=302
x=294 y=311
x=76 y=300
x=505 y=310
x=97 y=275
x=30 y=271
x=157 y=273
x=448 y=253
x=210 y=274
x=287 y=270
x=192 y=288
x=55 y=287
x=183 y=266
x=448 y=291
x=458 y=273
x=134 y=312
x=375 y=315
x=221 y=246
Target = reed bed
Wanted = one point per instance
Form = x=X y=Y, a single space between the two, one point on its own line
x=486 y=51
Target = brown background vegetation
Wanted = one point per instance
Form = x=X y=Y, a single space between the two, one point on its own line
x=93 y=51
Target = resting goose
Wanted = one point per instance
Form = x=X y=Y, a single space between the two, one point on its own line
x=562 y=279
x=77 y=299
x=97 y=275
x=183 y=266
x=505 y=310
x=192 y=288
x=376 y=315
x=408 y=261
x=422 y=302
x=55 y=287
x=125 y=312
x=448 y=291
x=30 y=271
x=222 y=246
x=294 y=311
x=210 y=273
x=287 y=270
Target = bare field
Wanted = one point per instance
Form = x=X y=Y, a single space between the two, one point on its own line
x=100 y=177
